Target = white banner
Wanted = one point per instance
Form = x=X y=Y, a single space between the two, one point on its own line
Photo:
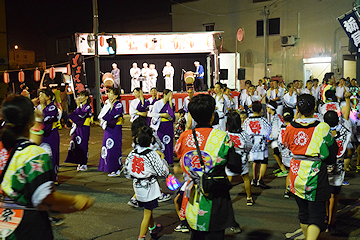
x=148 y=43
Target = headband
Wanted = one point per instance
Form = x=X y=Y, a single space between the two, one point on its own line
x=271 y=106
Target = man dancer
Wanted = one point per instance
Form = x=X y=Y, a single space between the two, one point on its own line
x=116 y=74
x=135 y=74
x=221 y=105
x=145 y=72
x=153 y=74
x=168 y=73
x=199 y=77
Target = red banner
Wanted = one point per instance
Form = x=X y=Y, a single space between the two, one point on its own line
x=77 y=72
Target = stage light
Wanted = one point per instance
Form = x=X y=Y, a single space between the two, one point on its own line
x=112 y=46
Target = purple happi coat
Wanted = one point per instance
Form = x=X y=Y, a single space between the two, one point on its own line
x=78 y=149
x=137 y=106
x=51 y=138
x=110 y=158
x=164 y=127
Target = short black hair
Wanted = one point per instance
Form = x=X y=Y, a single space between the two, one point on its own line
x=248 y=82
x=331 y=118
x=144 y=136
x=306 y=104
x=256 y=107
x=136 y=125
x=309 y=81
x=201 y=108
x=116 y=92
x=137 y=89
x=233 y=123
x=315 y=80
x=330 y=95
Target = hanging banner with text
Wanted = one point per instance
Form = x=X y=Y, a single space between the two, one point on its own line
x=351 y=25
x=77 y=72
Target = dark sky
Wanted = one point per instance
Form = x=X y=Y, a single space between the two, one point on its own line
x=31 y=22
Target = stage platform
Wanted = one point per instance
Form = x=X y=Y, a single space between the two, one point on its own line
x=179 y=98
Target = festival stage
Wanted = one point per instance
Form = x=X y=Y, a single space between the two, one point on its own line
x=178 y=97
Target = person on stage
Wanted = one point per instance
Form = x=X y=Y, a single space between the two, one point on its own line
x=139 y=106
x=51 y=116
x=162 y=121
x=168 y=73
x=135 y=74
x=153 y=74
x=199 y=77
x=111 y=120
x=116 y=75
x=145 y=72
x=81 y=117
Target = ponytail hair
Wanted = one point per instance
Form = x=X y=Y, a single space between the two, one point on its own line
x=18 y=113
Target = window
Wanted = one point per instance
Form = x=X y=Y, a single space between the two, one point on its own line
x=209 y=27
x=25 y=56
x=273 y=25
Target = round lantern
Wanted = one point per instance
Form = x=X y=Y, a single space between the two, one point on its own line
x=37 y=75
x=68 y=69
x=21 y=76
x=101 y=41
x=6 y=77
x=108 y=80
x=52 y=73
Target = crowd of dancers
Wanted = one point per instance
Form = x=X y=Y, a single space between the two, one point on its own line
x=303 y=126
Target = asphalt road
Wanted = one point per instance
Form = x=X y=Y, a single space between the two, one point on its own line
x=270 y=218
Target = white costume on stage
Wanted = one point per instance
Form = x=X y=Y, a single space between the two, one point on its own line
x=168 y=73
x=153 y=74
x=135 y=74
x=145 y=72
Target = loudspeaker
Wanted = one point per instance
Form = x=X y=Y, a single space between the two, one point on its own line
x=223 y=74
x=241 y=73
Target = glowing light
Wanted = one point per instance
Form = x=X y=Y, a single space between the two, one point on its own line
x=317 y=60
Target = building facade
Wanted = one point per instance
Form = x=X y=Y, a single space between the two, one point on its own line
x=316 y=41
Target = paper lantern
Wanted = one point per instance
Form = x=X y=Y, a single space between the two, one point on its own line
x=6 y=77
x=52 y=73
x=101 y=41
x=108 y=80
x=68 y=69
x=172 y=182
x=21 y=76
x=37 y=75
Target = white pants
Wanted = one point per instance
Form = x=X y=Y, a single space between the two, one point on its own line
x=152 y=82
x=134 y=83
x=169 y=83
x=146 y=85
x=117 y=83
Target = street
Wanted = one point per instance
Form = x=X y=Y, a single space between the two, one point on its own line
x=270 y=218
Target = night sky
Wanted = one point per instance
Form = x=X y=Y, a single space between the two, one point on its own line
x=30 y=23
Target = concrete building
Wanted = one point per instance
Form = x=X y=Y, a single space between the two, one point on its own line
x=321 y=45
x=21 y=57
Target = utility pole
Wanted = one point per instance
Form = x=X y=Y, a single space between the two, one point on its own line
x=96 y=59
x=265 y=39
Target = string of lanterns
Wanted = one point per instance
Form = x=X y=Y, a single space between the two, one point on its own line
x=37 y=74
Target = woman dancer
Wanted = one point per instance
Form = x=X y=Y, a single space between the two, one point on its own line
x=111 y=119
x=51 y=117
x=163 y=115
x=28 y=177
x=81 y=118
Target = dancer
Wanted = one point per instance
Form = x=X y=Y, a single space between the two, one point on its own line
x=222 y=105
x=162 y=119
x=242 y=147
x=145 y=72
x=153 y=74
x=139 y=106
x=116 y=75
x=135 y=74
x=81 y=118
x=28 y=179
x=144 y=165
x=308 y=170
x=111 y=120
x=168 y=73
x=259 y=129
x=51 y=116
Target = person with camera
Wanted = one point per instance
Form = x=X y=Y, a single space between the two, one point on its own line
x=206 y=205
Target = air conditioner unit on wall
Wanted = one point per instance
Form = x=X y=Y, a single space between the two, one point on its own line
x=288 y=40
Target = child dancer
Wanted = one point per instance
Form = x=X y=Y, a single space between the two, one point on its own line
x=286 y=155
x=111 y=117
x=242 y=147
x=144 y=165
x=259 y=129
x=81 y=118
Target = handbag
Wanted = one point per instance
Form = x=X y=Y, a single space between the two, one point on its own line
x=215 y=179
